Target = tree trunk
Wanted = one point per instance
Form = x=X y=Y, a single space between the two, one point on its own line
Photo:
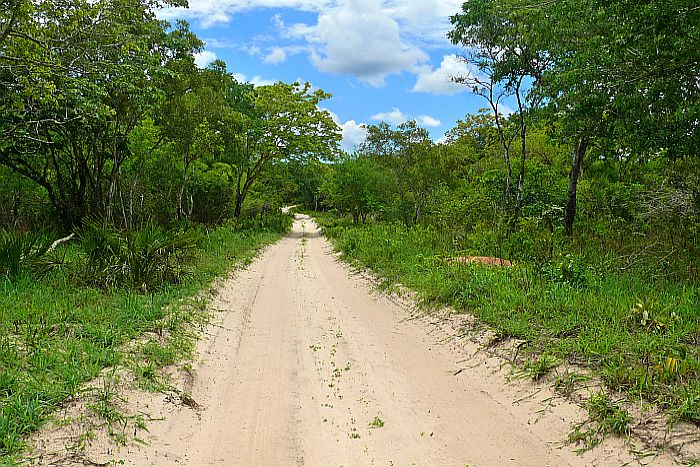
x=523 y=152
x=577 y=156
x=181 y=194
x=15 y=207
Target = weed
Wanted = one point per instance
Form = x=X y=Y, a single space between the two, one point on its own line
x=605 y=417
x=567 y=383
x=376 y=423
x=537 y=369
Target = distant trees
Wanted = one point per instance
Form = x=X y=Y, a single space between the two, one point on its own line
x=612 y=75
x=94 y=92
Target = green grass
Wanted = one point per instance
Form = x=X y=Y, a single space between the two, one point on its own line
x=605 y=417
x=641 y=336
x=55 y=336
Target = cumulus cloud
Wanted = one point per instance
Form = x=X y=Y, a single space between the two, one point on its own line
x=505 y=110
x=276 y=55
x=354 y=134
x=394 y=116
x=255 y=80
x=439 y=81
x=426 y=20
x=427 y=120
x=211 y=12
x=366 y=39
x=204 y=58
x=359 y=39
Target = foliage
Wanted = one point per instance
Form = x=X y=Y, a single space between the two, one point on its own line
x=25 y=253
x=146 y=259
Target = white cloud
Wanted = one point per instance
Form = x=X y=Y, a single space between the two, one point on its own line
x=366 y=39
x=204 y=58
x=427 y=120
x=426 y=20
x=211 y=12
x=353 y=134
x=505 y=110
x=255 y=80
x=394 y=116
x=359 y=39
x=439 y=81
x=276 y=55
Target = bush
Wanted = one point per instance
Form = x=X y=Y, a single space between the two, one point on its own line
x=146 y=259
x=25 y=253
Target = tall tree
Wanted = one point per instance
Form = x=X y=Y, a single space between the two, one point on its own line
x=77 y=77
x=276 y=122
x=405 y=150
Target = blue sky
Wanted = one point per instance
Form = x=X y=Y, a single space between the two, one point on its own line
x=383 y=60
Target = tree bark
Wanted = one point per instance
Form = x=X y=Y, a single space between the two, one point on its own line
x=577 y=156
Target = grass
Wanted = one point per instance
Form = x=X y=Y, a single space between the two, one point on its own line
x=605 y=417
x=641 y=336
x=376 y=423
x=55 y=336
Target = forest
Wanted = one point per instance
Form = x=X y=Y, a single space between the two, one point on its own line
x=130 y=178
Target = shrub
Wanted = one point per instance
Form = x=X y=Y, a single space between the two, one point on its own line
x=145 y=259
x=25 y=253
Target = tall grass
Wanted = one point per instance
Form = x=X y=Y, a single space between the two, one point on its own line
x=641 y=336
x=55 y=334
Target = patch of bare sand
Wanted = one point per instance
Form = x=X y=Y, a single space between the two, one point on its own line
x=306 y=365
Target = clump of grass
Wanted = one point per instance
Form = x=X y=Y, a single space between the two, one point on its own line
x=605 y=417
x=538 y=368
x=25 y=253
x=376 y=423
x=146 y=259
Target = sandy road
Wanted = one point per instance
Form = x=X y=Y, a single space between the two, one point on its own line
x=304 y=357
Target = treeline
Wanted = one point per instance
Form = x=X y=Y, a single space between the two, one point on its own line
x=105 y=116
x=598 y=157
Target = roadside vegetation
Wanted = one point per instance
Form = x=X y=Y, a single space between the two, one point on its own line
x=639 y=335
x=63 y=328
x=581 y=170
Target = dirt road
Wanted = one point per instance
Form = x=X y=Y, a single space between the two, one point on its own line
x=307 y=366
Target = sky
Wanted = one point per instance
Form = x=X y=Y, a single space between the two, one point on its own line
x=382 y=60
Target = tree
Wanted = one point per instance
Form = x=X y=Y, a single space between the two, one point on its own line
x=614 y=74
x=505 y=62
x=358 y=186
x=276 y=122
x=77 y=77
x=405 y=152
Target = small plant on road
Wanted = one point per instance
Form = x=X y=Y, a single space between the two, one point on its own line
x=376 y=423
x=536 y=369
x=605 y=417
